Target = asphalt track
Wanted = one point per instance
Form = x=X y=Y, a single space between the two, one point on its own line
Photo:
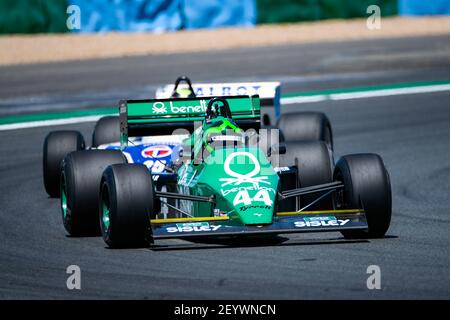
x=411 y=133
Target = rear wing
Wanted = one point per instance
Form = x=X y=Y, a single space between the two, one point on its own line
x=164 y=116
x=269 y=92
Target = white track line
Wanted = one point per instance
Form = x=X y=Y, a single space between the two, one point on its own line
x=46 y=123
x=366 y=94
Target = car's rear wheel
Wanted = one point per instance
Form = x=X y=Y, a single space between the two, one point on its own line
x=80 y=181
x=314 y=162
x=126 y=205
x=57 y=145
x=107 y=130
x=306 y=126
x=366 y=186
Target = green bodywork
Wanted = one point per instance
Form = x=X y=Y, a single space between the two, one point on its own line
x=199 y=140
x=233 y=190
x=242 y=180
x=240 y=177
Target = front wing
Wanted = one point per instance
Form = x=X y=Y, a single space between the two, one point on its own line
x=283 y=223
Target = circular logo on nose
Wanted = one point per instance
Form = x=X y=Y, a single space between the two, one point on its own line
x=238 y=178
x=255 y=171
x=157 y=151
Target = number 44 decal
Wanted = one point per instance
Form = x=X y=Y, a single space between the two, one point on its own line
x=243 y=197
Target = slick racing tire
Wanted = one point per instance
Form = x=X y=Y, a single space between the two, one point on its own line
x=80 y=183
x=366 y=186
x=107 y=130
x=126 y=206
x=57 y=145
x=304 y=126
x=315 y=164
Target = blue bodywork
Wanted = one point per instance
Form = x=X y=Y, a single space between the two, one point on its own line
x=157 y=155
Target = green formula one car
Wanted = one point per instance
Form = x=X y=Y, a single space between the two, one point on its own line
x=230 y=179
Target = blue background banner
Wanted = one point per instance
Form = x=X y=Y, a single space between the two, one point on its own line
x=219 y=13
x=125 y=15
x=423 y=7
x=163 y=15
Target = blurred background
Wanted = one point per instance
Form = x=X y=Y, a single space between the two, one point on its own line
x=385 y=87
x=50 y=16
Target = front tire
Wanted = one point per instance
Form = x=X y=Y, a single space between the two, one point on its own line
x=126 y=206
x=366 y=186
x=80 y=181
x=57 y=145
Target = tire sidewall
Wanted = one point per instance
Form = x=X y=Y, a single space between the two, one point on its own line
x=130 y=210
x=81 y=175
x=57 y=145
x=366 y=186
x=107 y=130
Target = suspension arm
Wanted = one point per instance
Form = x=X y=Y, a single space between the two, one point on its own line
x=173 y=195
x=332 y=186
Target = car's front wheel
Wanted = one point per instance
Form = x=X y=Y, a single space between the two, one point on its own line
x=366 y=186
x=126 y=205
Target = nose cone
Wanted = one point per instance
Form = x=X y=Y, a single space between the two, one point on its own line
x=245 y=183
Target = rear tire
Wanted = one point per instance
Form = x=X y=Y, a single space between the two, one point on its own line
x=126 y=205
x=57 y=145
x=107 y=130
x=306 y=126
x=315 y=166
x=80 y=183
x=366 y=186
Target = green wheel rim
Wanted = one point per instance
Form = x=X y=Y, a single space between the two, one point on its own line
x=63 y=201
x=105 y=215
